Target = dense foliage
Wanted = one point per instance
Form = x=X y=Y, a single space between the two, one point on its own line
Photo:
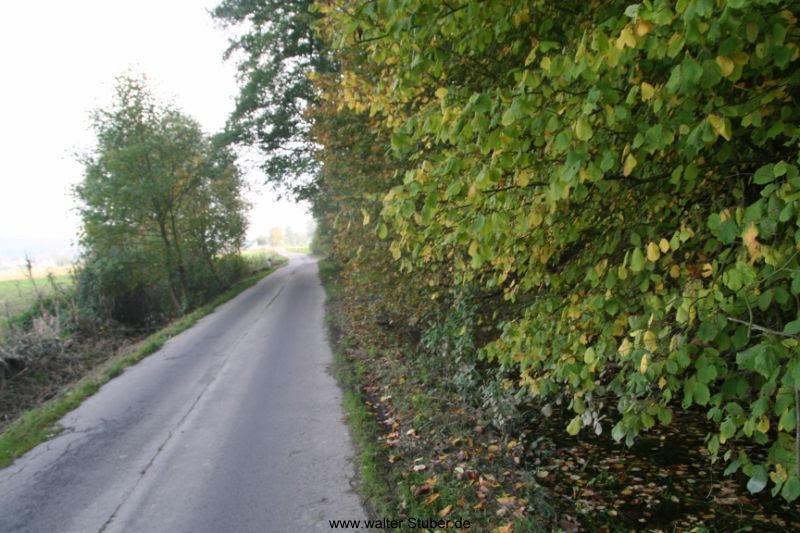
x=162 y=209
x=623 y=176
x=277 y=47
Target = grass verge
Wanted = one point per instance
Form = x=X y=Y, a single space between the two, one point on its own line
x=394 y=482
x=39 y=424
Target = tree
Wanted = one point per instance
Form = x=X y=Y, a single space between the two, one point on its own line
x=160 y=202
x=276 y=237
x=279 y=48
x=626 y=175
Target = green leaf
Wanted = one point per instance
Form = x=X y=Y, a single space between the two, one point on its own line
x=583 y=130
x=637 y=260
x=727 y=429
x=714 y=221
x=792 y=327
x=400 y=141
x=764 y=175
x=701 y=393
x=707 y=373
x=791 y=489
x=707 y=331
x=618 y=432
x=758 y=480
x=574 y=426
x=453 y=189
x=728 y=231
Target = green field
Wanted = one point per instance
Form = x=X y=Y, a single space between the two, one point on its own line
x=18 y=295
x=298 y=249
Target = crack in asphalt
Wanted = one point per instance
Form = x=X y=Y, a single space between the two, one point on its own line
x=144 y=470
x=65 y=432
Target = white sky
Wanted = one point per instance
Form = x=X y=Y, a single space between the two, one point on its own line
x=58 y=61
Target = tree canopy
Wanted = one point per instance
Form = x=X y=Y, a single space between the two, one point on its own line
x=276 y=47
x=161 y=203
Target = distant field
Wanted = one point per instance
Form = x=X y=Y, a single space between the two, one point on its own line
x=298 y=249
x=17 y=293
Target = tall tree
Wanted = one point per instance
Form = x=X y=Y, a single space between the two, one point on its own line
x=160 y=201
x=277 y=49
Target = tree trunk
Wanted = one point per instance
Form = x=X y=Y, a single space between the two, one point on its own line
x=170 y=270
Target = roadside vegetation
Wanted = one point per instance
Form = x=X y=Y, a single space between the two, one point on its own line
x=31 y=404
x=578 y=224
x=163 y=226
x=19 y=288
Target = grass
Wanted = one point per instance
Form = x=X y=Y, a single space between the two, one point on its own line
x=298 y=249
x=17 y=294
x=364 y=432
x=40 y=423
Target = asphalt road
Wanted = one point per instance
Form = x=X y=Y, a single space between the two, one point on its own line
x=234 y=425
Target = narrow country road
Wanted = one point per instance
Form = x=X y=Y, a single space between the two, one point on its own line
x=235 y=425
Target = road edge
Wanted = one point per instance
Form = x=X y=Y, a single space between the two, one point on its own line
x=41 y=423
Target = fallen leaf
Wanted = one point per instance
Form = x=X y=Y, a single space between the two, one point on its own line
x=431 y=498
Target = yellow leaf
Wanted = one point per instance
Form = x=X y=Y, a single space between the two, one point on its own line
x=366 y=216
x=535 y=218
x=662 y=382
x=583 y=130
x=630 y=164
x=751 y=242
x=763 y=424
x=523 y=178
x=779 y=475
x=720 y=126
x=432 y=498
x=546 y=64
x=625 y=348
x=675 y=271
x=707 y=270
x=446 y=511
x=505 y=500
x=740 y=58
x=647 y=91
x=726 y=65
x=626 y=38
x=441 y=92
x=643 y=28
x=650 y=341
x=653 y=253
x=664 y=245
x=643 y=364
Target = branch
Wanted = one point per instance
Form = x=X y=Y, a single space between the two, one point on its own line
x=763 y=329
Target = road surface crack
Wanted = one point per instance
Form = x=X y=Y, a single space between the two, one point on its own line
x=158 y=451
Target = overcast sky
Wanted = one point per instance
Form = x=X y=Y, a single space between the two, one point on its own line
x=58 y=61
